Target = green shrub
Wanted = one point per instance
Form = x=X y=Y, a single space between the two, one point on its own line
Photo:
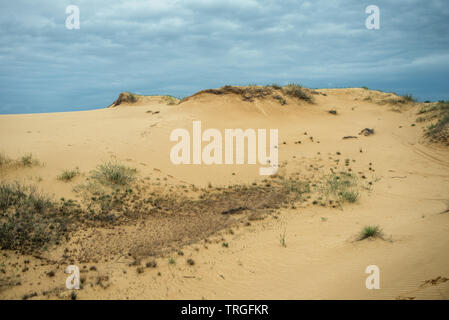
x=27 y=160
x=113 y=173
x=350 y=196
x=68 y=175
x=370 y=232
x=28 y=219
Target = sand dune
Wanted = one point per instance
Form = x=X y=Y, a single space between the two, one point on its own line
x=272 y=246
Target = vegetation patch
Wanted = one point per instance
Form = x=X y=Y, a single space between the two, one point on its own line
x=370 y=232
x=340 y=188
x=30 y=220
x=68 y=175
x=250 y=93
x=4 y=160
x=169 y=100
x=297 y=91
x=113 y=173
x=27 y=160
x=281 y=99
x=438 y=115
x=125 y=97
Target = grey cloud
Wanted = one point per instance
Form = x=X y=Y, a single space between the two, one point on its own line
x=179 y=47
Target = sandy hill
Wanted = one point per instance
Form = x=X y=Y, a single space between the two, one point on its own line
x=224 y=231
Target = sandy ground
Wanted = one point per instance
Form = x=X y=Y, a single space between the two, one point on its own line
x=321 y=259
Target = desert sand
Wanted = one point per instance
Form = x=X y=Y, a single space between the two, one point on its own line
x=295 y=250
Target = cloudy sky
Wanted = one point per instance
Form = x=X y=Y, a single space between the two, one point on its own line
x=179 y=47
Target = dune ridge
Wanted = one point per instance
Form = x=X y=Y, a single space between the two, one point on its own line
x=289 y=236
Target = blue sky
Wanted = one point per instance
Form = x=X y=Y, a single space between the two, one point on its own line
x=180 y=47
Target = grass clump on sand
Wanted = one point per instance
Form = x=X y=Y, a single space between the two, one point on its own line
x=297 y=91
x=26 y=160
x=29 y=220
x=132 y=98
x=438 y=130
x=275 y=86
x=113 y=173
x=282 y=239
x=408 y=98
x=4 y=160
x=170 y=100
x=341 y=187
x=68 y=175
x=370 y=232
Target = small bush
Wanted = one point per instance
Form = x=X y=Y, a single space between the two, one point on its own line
x=408 y=98
x=170 y=100
x=370 y=232
x=297 y=91
x=68 y=175
x=27 y=160
x=112 y=173
x=30 y=220
x=4 y=160
x=350 y=196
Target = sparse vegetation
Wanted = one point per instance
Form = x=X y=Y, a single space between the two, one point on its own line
x=113 y=173
x=438 y=113
x=132 y=98
x=350 y=196
x=282 y=239
x=125 y=97
x=279 y=98
x=151 y=264
x=370 y=232
x=170 y=100
x=30 y=220
x=297 y=91
x=26 y=160
x=68 y=175
x=340 y=187
x=4 y=160
x=408 y=98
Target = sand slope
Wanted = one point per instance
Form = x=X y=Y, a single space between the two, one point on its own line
x=321 y=260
